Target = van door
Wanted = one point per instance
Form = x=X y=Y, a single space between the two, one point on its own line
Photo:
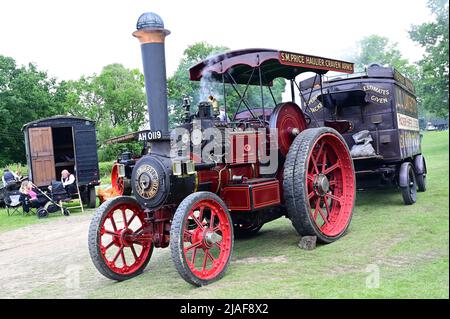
x=41 y=153
x=86 y=158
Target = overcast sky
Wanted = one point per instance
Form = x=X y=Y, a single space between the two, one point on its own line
x=74 y=38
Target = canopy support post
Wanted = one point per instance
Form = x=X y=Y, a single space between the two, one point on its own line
x=225 y=97
x=321 y=94
x=270 y=90
x=262 y=95
x=242 y=97
x=292 y=90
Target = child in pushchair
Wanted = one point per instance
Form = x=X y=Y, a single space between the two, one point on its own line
x=29 y=198
x=51 y=201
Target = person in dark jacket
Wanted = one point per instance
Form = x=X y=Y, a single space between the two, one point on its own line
x=9 y=177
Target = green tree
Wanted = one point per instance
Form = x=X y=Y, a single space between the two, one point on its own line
x=179 y=85
x=378 y=49
x=26 y=94
x=116 y=97
x=82 y=99
x=434 y=67
x=122 y=91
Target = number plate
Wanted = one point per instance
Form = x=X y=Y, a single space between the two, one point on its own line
x=143 y=136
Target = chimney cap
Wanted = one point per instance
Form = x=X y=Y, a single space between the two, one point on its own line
x=150 y=20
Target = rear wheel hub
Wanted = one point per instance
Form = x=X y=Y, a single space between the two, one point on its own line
x=321 y=185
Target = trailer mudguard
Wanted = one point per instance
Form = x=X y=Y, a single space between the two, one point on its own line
x=403 y=174
x=419 y=164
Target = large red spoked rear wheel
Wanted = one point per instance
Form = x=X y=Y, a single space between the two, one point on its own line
x=121 y=185
x=201 y=238
x=319 y=184
x=118 y=245
x=286 y=118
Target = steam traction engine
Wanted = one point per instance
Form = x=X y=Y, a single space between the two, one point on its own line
x=214 y=177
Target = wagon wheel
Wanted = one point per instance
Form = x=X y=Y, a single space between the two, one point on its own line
x=408 y=183
x=121 y=185
x=319 y=184
x=246 y=230
x=92 y=197
x=118 y=246
x=201 y=238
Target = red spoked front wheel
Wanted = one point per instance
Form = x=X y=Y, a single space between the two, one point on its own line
x=319 y=184
x=201 y=238
x=119 y=247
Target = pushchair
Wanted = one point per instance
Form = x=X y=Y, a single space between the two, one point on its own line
x=53 y=200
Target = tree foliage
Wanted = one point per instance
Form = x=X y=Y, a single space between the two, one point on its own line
x=26 y=94
x=115 y=99
x=378 y=49
x=434 y=67
x=115 y=96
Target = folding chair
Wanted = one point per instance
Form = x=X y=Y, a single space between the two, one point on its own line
x=13 y=202
x=32 y=206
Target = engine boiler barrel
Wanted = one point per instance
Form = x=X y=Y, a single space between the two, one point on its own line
x=151 y=34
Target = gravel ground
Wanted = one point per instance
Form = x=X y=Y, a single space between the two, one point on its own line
x=49 y=260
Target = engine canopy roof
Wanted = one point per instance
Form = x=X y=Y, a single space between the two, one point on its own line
x=240 y=64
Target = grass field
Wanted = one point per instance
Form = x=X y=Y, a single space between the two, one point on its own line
x=390 y=251
x=17 y=220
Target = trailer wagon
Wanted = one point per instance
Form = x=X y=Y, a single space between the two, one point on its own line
x=378 y=111
x=63 y=142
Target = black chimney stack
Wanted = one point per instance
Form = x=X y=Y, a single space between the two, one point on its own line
x=151 y=34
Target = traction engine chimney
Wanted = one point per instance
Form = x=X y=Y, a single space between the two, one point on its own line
x=151 y=34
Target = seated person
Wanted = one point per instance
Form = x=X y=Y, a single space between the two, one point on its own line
x=28 y=196
x=9 y=177
x=68 y=181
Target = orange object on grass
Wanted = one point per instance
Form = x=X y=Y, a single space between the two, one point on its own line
x=105 y=194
